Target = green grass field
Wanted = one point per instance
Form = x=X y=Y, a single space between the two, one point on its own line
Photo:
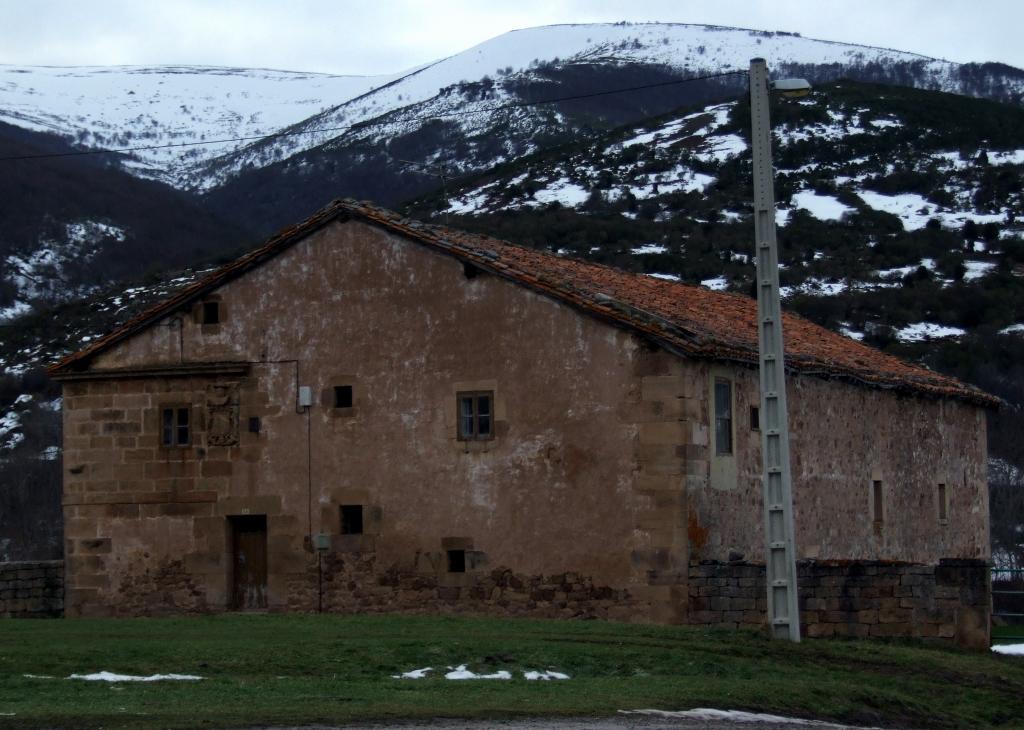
x=276 y=669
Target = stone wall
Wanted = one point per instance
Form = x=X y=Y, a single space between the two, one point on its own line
x=32 y=589
x=352 y=583
x=949 y=601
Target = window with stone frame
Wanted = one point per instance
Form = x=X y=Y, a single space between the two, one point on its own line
x=175 y=426
x=476 y=415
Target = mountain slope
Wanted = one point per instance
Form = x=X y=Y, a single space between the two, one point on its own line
x=71 y=225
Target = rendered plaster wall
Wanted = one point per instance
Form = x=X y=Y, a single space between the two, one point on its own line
x=843 y=438
x=577 y=506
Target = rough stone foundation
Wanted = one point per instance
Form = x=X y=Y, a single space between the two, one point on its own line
x=949 y=601
x=351 y=584
x=32 y=589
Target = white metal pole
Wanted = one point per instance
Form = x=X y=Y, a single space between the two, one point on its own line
x=783 y=609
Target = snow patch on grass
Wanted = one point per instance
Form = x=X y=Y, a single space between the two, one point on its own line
x=544 y=676
x=1009 y=649
x=719 y=283
x=111 y=677
x=413 y=674
x=460 y=672
x=737 y=716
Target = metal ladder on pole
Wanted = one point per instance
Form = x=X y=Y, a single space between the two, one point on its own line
x=783 y=611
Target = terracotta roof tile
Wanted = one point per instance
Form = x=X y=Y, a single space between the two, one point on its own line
x=690 y=320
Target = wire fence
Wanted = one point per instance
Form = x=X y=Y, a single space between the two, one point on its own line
x=1008 y=602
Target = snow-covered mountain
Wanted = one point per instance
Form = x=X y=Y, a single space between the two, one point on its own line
x=117 y=107
x=112 y=107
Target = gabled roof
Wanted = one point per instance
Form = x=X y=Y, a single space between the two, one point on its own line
x=689 y=320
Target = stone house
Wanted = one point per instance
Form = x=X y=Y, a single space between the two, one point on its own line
x=373 y=414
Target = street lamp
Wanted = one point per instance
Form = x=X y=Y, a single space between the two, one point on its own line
x=777 y=484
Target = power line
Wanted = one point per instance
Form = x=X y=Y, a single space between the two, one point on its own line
x=374 y=122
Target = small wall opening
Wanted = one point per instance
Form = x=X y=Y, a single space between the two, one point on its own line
x=877 y=502
x=456 y=561
x=342 y=396
x=351 y=519
x=755 y=418
x=943 y=504
x=211 y=313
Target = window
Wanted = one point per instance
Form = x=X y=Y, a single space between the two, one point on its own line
x=877 y=502
x=755 y=418
x=211 y=313
x=175 y=428
x=943 y=507
x=351 y=519
x=475 y=416
x=456 y=561
x=342 y=396
x=723 y=417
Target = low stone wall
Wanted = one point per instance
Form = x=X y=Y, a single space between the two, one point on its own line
x=32 y=589
x=950 y=601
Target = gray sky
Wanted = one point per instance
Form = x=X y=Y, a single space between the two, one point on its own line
x=368 y=37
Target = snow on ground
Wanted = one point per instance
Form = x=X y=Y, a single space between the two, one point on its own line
x=648 y=248
x=914 y=210
x=719 y=283
x=545 y=676
x=566 y=193
x=721 y=148
x=10 y=437
x=920 y=331
x=822 y=207
x=1010 y=649
x=851 y=333
x=673 y=277
x=413 y=674
x=899 y=272
x=460 y=672
x=15 y=310
x=977 y=269
x=1012 y=329
x=813 y=285
x=470 y=203
x=705 y=714
x=111 y=677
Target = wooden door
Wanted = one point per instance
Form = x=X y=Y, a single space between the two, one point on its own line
x=249 y=562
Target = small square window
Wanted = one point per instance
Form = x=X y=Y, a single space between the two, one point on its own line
x=351 y=519
x=211 y=312
x=476 y=416
x=175 y=429
x=755 y=418
x=342 y=396
x=456 y=561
